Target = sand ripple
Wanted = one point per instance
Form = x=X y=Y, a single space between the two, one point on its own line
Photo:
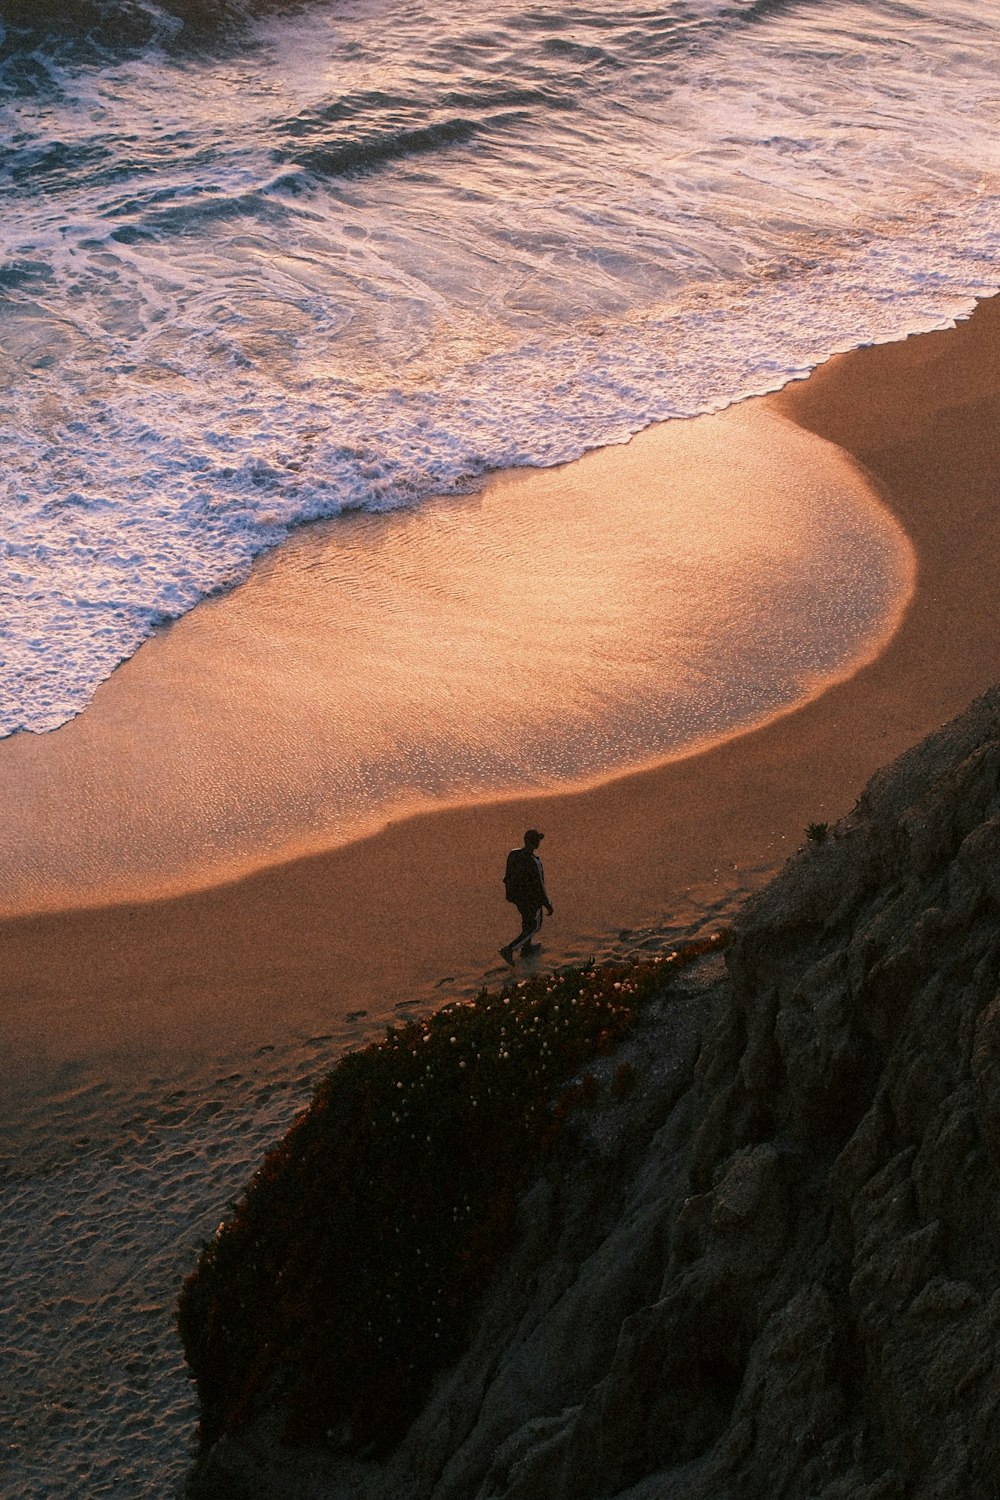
x=99 y=1231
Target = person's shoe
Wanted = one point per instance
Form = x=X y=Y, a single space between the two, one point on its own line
x=529 y=948
x=507 y=954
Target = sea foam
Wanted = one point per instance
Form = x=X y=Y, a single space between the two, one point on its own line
x=343 y=266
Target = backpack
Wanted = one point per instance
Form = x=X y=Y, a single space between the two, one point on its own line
x=520 y=875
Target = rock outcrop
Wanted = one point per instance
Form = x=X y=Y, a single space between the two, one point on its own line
x=776 y=1271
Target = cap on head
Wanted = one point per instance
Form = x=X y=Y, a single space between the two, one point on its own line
x=533 y=838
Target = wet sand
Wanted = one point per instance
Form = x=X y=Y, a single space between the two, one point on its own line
x=415 y=912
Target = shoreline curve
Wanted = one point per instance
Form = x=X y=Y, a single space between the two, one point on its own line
x=558 y=630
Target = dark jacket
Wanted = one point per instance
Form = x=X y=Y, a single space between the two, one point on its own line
x=523 y=881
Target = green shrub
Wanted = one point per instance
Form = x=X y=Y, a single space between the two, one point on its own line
x=816 y=833
x=352 y=1265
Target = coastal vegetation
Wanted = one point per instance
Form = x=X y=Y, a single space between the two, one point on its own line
x=349 y=1271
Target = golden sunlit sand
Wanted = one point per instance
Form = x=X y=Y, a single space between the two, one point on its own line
x=556 y=629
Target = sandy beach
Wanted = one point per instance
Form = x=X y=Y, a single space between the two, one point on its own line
x=415 y=911
x=152 y=1049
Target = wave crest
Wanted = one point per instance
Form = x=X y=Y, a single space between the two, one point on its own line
x=366 y=153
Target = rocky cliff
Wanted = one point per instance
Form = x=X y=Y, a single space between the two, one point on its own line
x=775 y=1270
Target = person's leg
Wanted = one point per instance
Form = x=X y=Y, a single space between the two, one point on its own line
x=531 y=920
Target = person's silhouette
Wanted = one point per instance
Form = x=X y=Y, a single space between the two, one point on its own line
x=524 y=885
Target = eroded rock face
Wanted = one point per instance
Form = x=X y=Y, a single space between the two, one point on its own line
x=777 y=1272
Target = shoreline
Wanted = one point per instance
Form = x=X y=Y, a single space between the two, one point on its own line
x=552 y=632
x=416 y=907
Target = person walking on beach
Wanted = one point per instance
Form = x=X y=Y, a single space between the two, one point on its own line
x=524 y=884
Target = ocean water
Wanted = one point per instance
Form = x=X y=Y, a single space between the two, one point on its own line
x=263 y=265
